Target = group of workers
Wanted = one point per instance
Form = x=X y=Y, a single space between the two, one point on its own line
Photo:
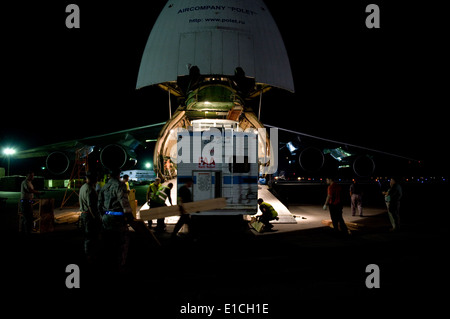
x=333 y=202
x=109 y=211
x=157 y=194
x=111 y=207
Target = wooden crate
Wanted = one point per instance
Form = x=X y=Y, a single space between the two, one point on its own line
x=193 y=207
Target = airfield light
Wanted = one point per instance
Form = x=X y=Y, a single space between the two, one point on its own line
x=8 y=152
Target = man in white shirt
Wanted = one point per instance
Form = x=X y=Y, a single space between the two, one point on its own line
x=27 y=192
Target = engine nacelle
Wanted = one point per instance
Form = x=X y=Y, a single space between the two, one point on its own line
x=363 y=166
x=311 y=159
x=115 y=156
x=57 y=163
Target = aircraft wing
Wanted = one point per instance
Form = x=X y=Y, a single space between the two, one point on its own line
x=121 y=143
x=128 y=138
x=340 y=143
x=315 y=154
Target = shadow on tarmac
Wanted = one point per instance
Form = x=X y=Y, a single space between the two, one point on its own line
x=285 y=270
x=291 y=271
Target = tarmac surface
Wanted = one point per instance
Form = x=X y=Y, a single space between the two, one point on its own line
x=297 y=269
x=293 y=268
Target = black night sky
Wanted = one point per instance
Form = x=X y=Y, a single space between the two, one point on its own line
x=381 y=88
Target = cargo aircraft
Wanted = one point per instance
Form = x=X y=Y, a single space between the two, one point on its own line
x=215 y=57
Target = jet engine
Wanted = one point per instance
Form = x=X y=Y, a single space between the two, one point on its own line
x=116 y=156
x=311 y=159
x=57 y=162
x=363 y=166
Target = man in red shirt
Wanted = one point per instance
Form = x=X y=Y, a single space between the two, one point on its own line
x=333 y=202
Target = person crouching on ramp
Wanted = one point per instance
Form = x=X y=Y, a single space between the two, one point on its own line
x=268 y=214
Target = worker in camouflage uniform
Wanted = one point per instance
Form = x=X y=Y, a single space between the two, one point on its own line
x=90 y=217
x=115 y=208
